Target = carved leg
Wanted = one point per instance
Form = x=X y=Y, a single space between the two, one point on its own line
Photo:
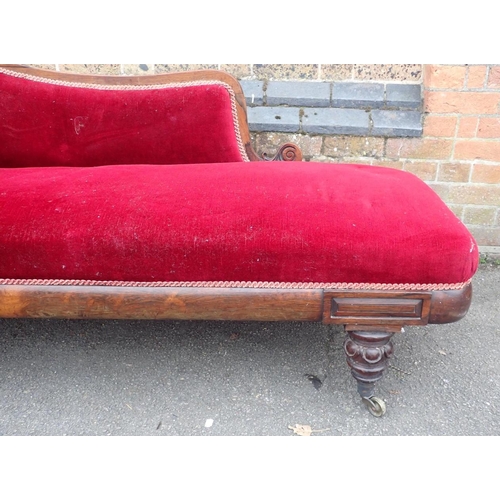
x=367 y=351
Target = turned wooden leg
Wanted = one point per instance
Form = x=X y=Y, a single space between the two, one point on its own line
x=368 y=350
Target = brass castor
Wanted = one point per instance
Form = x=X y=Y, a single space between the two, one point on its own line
x=375 y=406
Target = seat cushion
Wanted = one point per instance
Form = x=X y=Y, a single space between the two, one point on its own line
x=259 y=222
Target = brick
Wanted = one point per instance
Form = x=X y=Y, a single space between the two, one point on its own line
x=489 y=174
x=237 y=70
x=357 y=95
x=311 y=94
x=345 y=160
x=355 y=160
x=476 y=77
x=341 y=146
x=467 y=126
x=454 y=172
x=254 y=92
x=481 y=216
x=138 y=69
x=95 y=69
x=458 y=210
x=444 y=77
x=325 y=159
x=174 y=68
x=273 y=119
x=489 y=128
x=426 y=148
x=403 y=96
x=439 y=126
x=393 y=72
x=396 y=123
x=462 y=102
x=486 y=236
x=43 y=66
x=389 y=163
x=475 y=194
x=494 y=77
x=335 y=72
x=477 y=149
x=442 y=190
x=269 y=142
x=335 y=121
x=286 y=71
x=424 y=170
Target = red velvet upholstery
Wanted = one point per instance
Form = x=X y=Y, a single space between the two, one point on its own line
x=286 y=222
x=55 y=124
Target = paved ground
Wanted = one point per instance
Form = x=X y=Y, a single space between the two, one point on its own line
x=61 y=377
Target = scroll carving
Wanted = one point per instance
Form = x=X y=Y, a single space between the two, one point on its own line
x=287 y=152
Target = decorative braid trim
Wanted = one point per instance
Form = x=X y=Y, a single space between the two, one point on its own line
x=98 y=86
x=241 y=284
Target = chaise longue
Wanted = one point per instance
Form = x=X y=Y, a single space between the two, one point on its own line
x=142 y=198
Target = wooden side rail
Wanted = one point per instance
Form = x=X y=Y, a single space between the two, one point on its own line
x=383 y=309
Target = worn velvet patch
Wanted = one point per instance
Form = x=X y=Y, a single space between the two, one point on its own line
x=46 y=124
x=288 y=222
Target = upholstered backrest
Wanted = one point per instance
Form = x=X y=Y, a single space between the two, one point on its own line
x=56 y=122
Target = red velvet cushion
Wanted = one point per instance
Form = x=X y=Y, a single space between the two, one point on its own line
x=284 y=222
x=49 y=124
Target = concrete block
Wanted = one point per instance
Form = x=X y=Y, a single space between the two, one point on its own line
x=253 y=90
x=273 y=119
x=335 y=121
x=396 y=123
x=358 y=95
x=309 y=94
x=403 y=96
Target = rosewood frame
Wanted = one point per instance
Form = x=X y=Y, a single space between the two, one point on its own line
x=370 y=317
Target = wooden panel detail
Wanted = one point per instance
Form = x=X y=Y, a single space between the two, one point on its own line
x=101 y=302
x=380 y=308
x=376 y=308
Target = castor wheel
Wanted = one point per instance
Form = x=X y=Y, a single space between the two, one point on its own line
x=375 y=406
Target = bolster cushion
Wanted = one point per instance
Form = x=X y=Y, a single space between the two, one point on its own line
x=257 y=222
x=57 y=123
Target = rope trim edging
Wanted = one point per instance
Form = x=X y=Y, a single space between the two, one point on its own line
x=241 y=284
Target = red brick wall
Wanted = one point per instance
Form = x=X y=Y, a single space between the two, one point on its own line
x=462 y=116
